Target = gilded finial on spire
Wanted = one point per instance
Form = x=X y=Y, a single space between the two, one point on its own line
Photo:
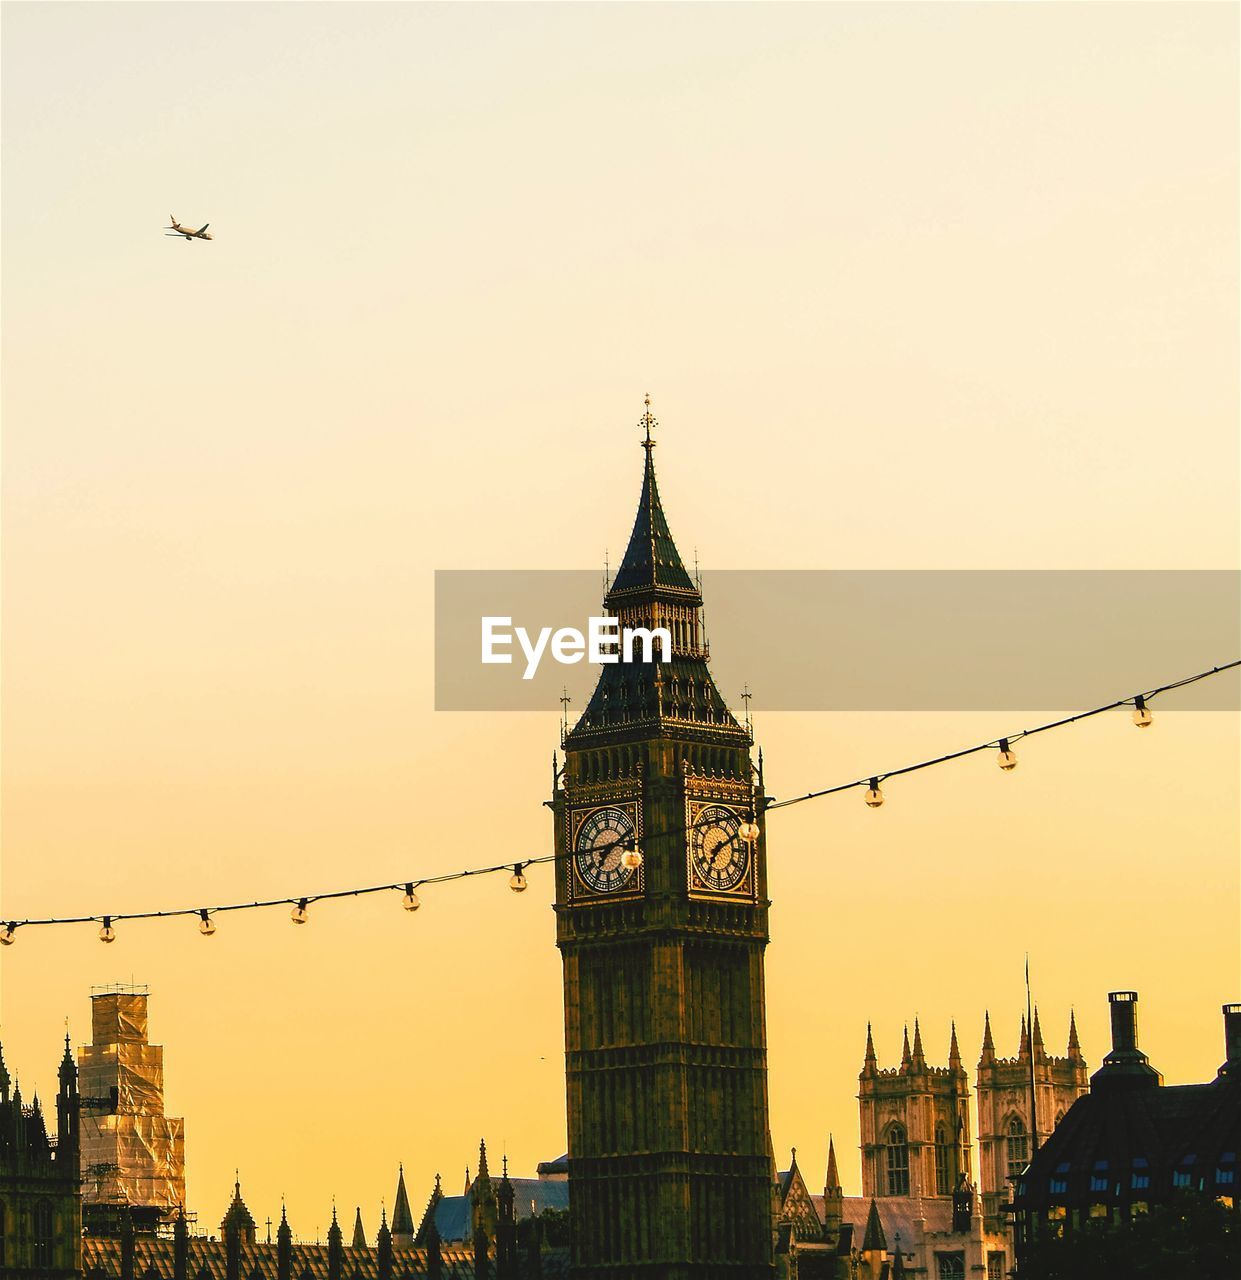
x=647 y=422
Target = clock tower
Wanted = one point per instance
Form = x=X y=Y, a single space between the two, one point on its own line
x=661 y=905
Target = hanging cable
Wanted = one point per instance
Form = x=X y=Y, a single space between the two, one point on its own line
x=631 y=856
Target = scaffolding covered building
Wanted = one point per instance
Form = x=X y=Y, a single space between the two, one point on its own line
x=133 y=1155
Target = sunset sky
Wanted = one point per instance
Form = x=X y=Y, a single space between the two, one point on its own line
x=930 y=287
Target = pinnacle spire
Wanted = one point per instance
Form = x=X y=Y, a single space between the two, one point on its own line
x=874 y=1237
x=1023 y=1048
x=483 y=1174
x=988 y=1043
x=905 y=1054
x=870 y=1047
x=919 y=1057
x=1075 y=1048
x=1038 y=1035
x=359 y=1233
x=954 y=1051
x=402 y=1218
x=832 y=1182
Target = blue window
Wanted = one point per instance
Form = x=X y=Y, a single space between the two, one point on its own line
x=1181 y=1178
x=1140 y=1181
x=1224 y=1176
x=1098 y=1183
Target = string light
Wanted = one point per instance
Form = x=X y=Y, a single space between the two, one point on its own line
x=1007 y=759
x=631 y=857
x=206 y=925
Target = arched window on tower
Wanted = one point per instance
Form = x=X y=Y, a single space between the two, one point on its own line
x=1017 y=1147
x=898 y=1161
x=943 y=1162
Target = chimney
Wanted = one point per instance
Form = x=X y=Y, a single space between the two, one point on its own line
x=1126 y=1065
x=1232 y=1038
x=1124 y=1008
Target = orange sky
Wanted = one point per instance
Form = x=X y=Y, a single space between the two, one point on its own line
x=912 y=287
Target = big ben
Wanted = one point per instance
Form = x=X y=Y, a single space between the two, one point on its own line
x=661 y=904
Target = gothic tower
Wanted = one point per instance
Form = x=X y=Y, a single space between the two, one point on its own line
x=1004 y=1121
x=670 y=1164
x=915 y=1123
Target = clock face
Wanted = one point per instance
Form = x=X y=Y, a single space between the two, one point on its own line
x=601 y=839
x=720 y=857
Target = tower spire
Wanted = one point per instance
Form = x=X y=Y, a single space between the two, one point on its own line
x=402 y=1218
x=954 y=1051
x=1037 y=1039
x=871 y=1063
x=905 y=1054
x=1023 y=1047
x=1075 y=1048
x=988 y=1043
x=919 y=1058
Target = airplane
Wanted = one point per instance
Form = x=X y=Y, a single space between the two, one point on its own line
x=188 y=232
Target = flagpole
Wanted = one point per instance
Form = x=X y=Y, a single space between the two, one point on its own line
x=1033 y=1089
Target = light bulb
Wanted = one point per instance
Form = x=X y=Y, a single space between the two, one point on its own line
x=298 y=914
x=749 y=829
x=1007 y=759
x=8 y=935
x=206 y=925
x=874 y=797
x=1141 y=713
x=517 y=881
x=410 y=900
x=107 y=933
x=631 y=859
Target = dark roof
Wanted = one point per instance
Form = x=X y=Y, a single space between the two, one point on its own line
x=453 y=1213
x=897 y=1214
x=1130 y=1126
x=209 y=1258
x=554 y=1167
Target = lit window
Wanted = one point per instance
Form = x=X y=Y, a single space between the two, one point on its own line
x=898 y=1162
x=1099 y=1211
x=1224 y=1176
x=1140 y=1181
x=1138 y=1208
x=995 y=1266
x=1018 y=1148
x=1059 y=1182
